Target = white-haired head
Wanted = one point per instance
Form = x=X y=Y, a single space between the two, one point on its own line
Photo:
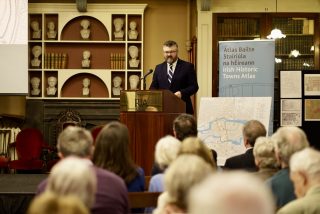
x=287 y=141
x=167 y=149
x=231 y=193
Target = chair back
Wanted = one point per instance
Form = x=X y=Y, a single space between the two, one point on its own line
x=29 y=144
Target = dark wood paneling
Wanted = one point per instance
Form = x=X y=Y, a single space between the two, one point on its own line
x=43 y=114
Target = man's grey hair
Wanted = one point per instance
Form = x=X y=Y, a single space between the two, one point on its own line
x=289 y=140
x=308 y=162
x=229 y=193
x=75 y=141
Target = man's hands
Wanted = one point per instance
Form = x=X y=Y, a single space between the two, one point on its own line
x=178 y=94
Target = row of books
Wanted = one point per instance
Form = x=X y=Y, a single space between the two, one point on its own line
x=294 y=25
x=117 y=60
x=301 y=43
x=238 y=27
x=55 y=60
x=295 y=64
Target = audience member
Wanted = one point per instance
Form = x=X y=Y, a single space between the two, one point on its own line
x=184 y=126
x=50 y=203
x=305 y=175
x=167 y=149
x=112 y=153
x=111 y=195
x=73 y=176
x=251 y=131
x=287 y=140
x=234 y=192
x=183 y=173
x=264 y=158
x=195 y=146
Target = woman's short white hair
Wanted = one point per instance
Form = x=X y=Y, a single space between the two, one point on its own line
x=307 y=161
x=167 y=149
x=264 y=154
x=229 y=193
x=73 y=176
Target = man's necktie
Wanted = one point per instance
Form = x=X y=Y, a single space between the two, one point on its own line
x=170 y=73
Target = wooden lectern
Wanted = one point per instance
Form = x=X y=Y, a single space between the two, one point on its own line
x=148 y=115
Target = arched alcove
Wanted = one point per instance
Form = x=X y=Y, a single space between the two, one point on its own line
x=73 y=86
x=71 y=31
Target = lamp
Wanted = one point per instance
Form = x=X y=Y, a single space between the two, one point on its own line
x=276 y=33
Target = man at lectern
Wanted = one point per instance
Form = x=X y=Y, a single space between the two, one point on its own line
x=176 y=75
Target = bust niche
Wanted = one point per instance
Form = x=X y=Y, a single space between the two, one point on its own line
x=73 y=87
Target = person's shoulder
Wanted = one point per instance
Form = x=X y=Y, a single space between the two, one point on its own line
x=105 y=174
x=185 y=63
x=140 y=171
x=296 y=206
x=42 y=186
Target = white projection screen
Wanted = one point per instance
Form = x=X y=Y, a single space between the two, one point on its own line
x=13 y=47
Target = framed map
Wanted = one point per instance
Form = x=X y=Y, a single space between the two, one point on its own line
x=290 y=84
x=291 y=112
x=312 y=84
x=221 y=119
x=312 y=109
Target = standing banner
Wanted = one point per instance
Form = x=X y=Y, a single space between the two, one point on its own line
x=246 y=69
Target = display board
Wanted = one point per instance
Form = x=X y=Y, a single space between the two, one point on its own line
x=221 y=119
x=300 y=106
x=246 y=69
x=13 y=47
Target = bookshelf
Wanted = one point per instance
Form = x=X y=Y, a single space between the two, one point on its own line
x=63 y=35
x=300 y=35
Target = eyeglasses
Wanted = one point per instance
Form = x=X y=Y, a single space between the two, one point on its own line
x=170 y=52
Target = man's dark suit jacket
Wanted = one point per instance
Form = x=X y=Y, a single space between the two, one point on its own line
x=184 y=79
x=244 y=161
x=111 y=196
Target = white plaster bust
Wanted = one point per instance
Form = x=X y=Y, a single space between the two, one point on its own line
x=134 y=82
x=118 y=28
x=36 y=31
x=116 y=86
x=51 y=89
x=86 y=59
x=133 y=52
x=133 y=33
x=86 y=87
x=35 y=83
x=85 y=31
x=51 y=32
x=36 y=52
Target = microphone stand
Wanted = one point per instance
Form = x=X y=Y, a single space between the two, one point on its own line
x=144 y=79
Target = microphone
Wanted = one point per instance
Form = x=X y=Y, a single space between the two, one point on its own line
x=147 y=74
x=144 y=78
